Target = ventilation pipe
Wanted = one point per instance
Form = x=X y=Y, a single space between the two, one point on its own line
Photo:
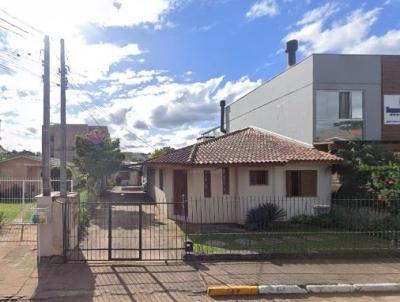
x=222 y=126
x=291 y=48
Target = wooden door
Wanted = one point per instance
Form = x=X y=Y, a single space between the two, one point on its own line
x=180 y=190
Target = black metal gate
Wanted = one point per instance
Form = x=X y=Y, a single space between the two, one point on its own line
x=122 y=231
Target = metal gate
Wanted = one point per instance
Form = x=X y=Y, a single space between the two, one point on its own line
x=96 y=231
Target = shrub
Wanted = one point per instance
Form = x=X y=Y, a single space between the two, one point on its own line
x=261 y=217
x=1 y=219
x=303 y=219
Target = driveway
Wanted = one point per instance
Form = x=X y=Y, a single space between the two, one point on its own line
x=161 y=238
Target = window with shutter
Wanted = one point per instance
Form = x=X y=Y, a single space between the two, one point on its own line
x=161 y=179
x=225 y=181
x=207 y=183
x=301 y=183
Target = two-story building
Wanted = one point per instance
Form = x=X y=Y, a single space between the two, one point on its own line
x=326 y=97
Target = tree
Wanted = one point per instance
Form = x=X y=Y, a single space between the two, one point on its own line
x=97 y=157
x=366 y=167
x=161 y=151
x=55 y=172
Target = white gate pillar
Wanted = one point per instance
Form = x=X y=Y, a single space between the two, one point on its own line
x=49 y=217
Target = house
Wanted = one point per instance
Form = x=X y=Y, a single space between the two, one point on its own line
x=250 y=162
x=23 y=167
x=130 y=174
x=73 y=130
x=325 y=98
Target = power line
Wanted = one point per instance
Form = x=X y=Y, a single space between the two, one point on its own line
x=12 y=31
x=13 y=25
x=23 y=22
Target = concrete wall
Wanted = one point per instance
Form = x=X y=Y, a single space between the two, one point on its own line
x=282 y=105
x=73 y=130
x=354 y=72
x=233 y=208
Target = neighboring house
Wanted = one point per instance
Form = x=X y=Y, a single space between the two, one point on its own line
x=130 y=174
x=326 y=97
x=73 y=130
x=23 y=167
x=250 y=162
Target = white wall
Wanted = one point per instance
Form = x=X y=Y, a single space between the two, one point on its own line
x=283 y=105
x=233 y=208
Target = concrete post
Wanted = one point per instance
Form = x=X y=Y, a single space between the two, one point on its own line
x=50 y=234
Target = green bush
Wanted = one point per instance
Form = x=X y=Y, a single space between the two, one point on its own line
x=303 y=219
x=1 y=219
x=260 y=218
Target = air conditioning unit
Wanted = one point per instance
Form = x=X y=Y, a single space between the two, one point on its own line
x=320 y=209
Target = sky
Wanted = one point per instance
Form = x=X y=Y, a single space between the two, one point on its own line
x=154 y=71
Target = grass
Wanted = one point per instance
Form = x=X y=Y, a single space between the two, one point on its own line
x=10 y=210
x=320 y=240
x=15 y=209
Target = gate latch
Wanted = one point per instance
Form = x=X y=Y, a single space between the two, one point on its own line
x=188 y=246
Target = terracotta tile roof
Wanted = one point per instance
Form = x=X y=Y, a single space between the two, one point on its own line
x=246 y=146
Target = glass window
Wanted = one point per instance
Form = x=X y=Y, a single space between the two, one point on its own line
x=344 y=105
x=339 y=115
x=258 y=177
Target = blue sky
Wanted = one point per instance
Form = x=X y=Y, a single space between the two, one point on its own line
x=154 y=71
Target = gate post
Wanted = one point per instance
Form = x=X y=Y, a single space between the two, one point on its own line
x=52 y=218
x=140 y=231
x=109 y=231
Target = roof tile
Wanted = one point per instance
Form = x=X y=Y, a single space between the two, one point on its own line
x=246 y=146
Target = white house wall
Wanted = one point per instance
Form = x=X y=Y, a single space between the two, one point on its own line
x=233 y=208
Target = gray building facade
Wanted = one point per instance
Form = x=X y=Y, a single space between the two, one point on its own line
x=326 y=97
x=73 y=130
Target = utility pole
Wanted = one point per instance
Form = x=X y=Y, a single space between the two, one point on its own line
x=46 y=120
x=63 y=161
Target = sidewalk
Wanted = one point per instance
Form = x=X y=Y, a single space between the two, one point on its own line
x=176 y=281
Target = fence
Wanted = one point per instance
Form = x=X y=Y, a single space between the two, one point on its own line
x=264 y=225
x=17 y=202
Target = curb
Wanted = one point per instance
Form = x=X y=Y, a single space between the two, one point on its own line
x=283 y=289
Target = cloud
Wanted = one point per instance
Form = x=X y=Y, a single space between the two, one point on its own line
x=119 y=117
x=235 y=90
x=317 y=35
x=263 y=8
x=61 y=19
x=388 y=43
x=139 y=124
x=322 y=12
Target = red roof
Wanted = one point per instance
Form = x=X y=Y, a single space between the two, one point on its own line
x=246 y=146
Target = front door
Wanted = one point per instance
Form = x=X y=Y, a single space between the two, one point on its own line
x=180 y=191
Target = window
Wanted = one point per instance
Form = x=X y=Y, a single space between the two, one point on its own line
x=207 y=183
x=258 y=177
x=344 y=105
x=161 y=179
x=301 y=183
x=225 y=181
x=338 y=115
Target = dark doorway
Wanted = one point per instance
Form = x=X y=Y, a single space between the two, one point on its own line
x=180 y=191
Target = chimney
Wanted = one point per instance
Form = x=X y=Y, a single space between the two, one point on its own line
x=291 y=48
x=222 y=126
